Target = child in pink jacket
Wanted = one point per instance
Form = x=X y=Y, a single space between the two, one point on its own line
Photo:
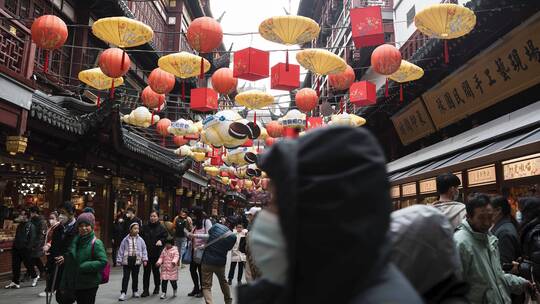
x=169 y=267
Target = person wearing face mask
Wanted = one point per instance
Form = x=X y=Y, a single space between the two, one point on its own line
x=448 y=189
x=479 y=254
x=330 y=202
x=154 y=235
x=21 y=251
x=50 y=266
x=84 y=262
x=61 y=239
x=505 y=229
x=130 y=218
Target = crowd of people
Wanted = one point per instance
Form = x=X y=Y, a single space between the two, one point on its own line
x=328 y=236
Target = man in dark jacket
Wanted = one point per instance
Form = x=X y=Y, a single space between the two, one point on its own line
x=25 y=236
x=131 y=217
x=220 y=240
x=337 y=174
x=154 y=235
x=40 y=226
x=61 y=240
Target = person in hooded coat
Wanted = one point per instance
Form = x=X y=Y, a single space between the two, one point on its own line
x=324 y=240
x=437 y=277
x=530 y=239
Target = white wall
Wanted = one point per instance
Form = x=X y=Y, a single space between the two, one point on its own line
x=402 y=31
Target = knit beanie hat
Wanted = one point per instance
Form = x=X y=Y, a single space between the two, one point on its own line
x=87 y=218
x=133 y=224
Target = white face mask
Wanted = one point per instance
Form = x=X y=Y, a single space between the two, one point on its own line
x=519 y=216
x=268 y=246
x=52 y=222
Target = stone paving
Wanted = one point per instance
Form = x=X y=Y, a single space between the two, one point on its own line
x=109 y=293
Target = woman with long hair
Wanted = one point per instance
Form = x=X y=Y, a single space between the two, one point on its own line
x=201 y=225
x=530 y=238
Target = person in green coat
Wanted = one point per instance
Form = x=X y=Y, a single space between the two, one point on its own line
x=480 y=260
x=83 y=264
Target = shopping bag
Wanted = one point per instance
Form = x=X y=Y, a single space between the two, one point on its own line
x=187 y=254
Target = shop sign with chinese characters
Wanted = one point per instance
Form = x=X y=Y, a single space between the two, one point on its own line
x=409 y=189
x=428 y=186
x=413 y=122
x=508 y=67
x=482 y=176
x=522 y=167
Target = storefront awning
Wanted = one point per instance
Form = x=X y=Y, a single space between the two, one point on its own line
x=191 y=176
x=16 y=93
x=507 y=136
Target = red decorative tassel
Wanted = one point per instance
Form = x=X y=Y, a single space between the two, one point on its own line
x=152 y=119
x=287 y=60
x=258 y=146
x=183 y=90
x=255 y=117
x=201 y=75
x=46 y=63
x=386 y=88
x=98 y=101
x=341 y=106
x=111 y=95
x=318 y=86
x=446 y=56
x=123 y=57
x=401 y=93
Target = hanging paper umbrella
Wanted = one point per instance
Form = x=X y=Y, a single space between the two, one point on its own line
x=97 y=80
x=386 y=60
x=183 y=64
x=306 y=99
x=122 y=31
x=343 y=80
x=289 y=29
x=407 y=72
x=254 y=99
x=346 y=119
x=223 y=81
x=49 y=32
x=160 y=81
x=445 y=21
x=321 y=62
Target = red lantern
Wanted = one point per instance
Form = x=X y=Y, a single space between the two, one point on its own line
x=283 y=78
x=162 y=126
x=343 y=80
x=274 y=129
x=160 y=81
x=367 y=26
x=248 y=143
x=192 y=137
x=224 y=174
x=363 y=93
x=291 y=132
x=314 y=122
x=151 y=99
x=114 y=62
x=223 y=81
x=270 y=141
x=180 y=140
x=306 y=99
x=49 y=32
x=386 y=59
x=251 y=64
x=204 y=34
x=203 y=100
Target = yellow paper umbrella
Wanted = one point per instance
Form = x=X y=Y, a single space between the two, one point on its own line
x=97 y=80
x=321 y=62
x=254 y=99
x=122 y=32
x=445 y=21
x=407 y=72
x=289 y=30
x=183 y=64
x=211 y=170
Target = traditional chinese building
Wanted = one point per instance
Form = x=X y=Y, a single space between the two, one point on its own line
x=59 y=145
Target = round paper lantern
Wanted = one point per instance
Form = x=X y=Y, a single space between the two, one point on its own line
x=152 y=99
x=223 y=81
x=114 y=62
x=180 y=140
x=270 y=141
x=160 y=81
x=49 y=32
x=306 y=99
x=274 y=129
x=343 y=80
x=162 y=126
x=386 y=59
x=204 y=34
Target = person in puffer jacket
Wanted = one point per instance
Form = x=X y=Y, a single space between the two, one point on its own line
x=131 y=254
x=221 y=240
